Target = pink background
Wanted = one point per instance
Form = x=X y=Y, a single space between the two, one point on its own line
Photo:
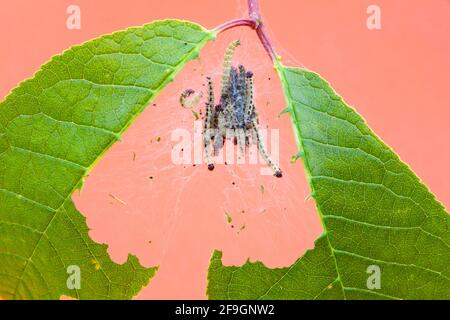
x=396 y=77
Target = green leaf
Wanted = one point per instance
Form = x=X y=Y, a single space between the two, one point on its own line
x=374 y=211
x=53 y=129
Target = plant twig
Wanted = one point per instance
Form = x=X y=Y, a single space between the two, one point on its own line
x=236 y=23
x=255 y=22
x=255 y=14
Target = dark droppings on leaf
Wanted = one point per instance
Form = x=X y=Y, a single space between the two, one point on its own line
x=210 y=167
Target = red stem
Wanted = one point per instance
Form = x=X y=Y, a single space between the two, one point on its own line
x=253 y=10
x=255 y=22
x=236 y=23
